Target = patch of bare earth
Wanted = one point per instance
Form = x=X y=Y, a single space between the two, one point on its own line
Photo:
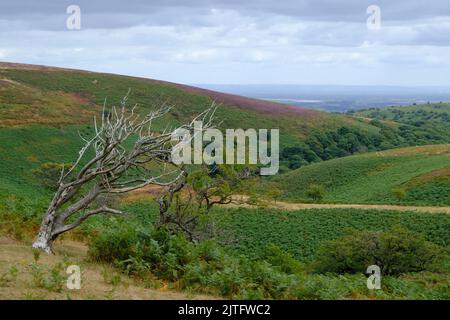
x=94 y=277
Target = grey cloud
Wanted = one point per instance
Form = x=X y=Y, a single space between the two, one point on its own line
x=186 y=11
x=233 y=41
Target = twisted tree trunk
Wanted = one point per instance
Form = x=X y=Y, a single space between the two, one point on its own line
x=44 y=240
x=114 y=169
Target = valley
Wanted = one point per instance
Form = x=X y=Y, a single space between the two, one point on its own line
x=378 y=174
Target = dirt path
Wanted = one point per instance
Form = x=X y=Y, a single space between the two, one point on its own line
x=298 y=206
x=97 y=281
x=240 y=202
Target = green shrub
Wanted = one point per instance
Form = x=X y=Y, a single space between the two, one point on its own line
x=395 y=252
x=284 y=261
x=114 y=244
x=135 y=249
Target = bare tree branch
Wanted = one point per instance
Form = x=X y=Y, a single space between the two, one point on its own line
x=117 y=166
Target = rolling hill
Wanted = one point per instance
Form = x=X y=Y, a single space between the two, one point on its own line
x=414 y=175
x=42 y=109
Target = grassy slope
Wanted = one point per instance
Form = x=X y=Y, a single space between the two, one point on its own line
x=423 y=172
x=93 y=88
x=24 y=148
x=42 y=108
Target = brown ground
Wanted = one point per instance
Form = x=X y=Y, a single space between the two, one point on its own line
x=98 y=281
x=299 y=206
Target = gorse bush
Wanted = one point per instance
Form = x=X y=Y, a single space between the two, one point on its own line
x=395 y=252
x=282 y=260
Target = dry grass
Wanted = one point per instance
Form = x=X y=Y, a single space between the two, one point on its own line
x=96 y=278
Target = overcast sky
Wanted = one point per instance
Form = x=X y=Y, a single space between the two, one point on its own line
x=236 y=41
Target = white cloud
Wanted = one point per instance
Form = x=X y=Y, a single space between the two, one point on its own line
x=230 y=44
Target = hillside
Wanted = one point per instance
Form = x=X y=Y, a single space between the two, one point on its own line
x=415 y=175
x=55 y=90
x=415 y=114
x=42 y=109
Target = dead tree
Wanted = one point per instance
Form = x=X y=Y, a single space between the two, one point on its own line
x=116 y=165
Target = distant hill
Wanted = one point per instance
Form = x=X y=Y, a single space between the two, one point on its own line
x=430 y=114
x=415 y=175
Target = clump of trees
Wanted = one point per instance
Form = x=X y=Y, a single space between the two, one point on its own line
x=316 y=192
x=325 y=145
